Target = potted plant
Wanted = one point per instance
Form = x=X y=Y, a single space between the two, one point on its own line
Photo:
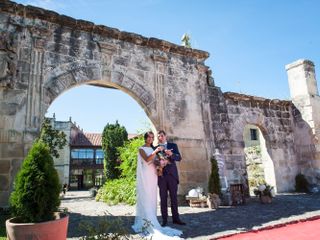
x=265 y=193
x=35 y=199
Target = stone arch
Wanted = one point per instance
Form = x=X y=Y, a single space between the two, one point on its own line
x=275 y=121
x=256 y=118
x=70 y=75
x=265 y=159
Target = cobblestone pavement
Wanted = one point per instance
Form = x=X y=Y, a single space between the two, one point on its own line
x=202 y=223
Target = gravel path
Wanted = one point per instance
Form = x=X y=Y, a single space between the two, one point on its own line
x=202 y=223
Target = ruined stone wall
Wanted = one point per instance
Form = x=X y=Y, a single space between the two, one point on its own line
x=232 y=112
x=44 y=54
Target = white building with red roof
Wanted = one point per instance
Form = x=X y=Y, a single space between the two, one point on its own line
x=80 y=164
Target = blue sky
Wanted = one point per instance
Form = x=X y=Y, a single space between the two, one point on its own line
x=249 y=41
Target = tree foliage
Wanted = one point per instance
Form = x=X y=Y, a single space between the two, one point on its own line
x=36 y=189
x=113 y=136
x=53 y=138
x=254 y=166
x=123 y=189
x=214 y=180
x=128 y=156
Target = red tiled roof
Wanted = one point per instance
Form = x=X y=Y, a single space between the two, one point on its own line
x=132 y=135
x=87 y=139
x=91 y=139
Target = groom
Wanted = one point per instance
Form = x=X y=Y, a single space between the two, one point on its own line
x=169 y=181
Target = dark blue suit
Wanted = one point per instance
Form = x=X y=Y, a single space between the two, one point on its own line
x=169 y=182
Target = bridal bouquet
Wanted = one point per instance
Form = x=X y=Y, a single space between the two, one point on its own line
x=161 y=161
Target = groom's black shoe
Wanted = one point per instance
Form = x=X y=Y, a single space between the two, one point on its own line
x=164 y=223
x=179 y=222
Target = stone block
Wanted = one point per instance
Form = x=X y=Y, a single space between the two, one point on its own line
x=4 y=166
x=10 y=150
x=197 y=176
x=8 y=108
x=138 y=90
x=4 y=198
x=7 y=136
x=189 y=143
x=237 y=144
x=316 y=164
x=194 y=165
x=15 y=96
x=193 y=154
x=122 y=61
x=4 y=182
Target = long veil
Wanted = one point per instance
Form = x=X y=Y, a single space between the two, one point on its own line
x=146 y=222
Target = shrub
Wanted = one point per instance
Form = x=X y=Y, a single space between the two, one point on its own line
x=128 y=155
x=109 y=227
x=36 y=189
x=301 y=183
x=123 y=190
x=214 y=180
x=264 y=190
x=116 y=191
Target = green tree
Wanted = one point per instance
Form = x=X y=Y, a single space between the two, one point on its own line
x=36 y=189
x=54 y=139
x=113 y=136
x=214 y=180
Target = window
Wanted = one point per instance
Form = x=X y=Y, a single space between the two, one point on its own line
x=99 y=156
x=99 y=177
x=253 y=134
x=82 y=153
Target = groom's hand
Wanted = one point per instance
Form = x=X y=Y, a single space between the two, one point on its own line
x=168 y=152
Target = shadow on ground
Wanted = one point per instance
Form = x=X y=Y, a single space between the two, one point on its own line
x=285 y=207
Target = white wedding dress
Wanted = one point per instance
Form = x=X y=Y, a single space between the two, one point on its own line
x=146 y=221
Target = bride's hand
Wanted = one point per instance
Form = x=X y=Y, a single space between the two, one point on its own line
x=159 y=149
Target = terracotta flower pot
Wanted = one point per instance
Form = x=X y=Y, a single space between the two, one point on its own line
x=265 y=199
x=51 y=230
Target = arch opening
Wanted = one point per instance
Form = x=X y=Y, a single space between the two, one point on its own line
x=81 y=162
x=259 y=163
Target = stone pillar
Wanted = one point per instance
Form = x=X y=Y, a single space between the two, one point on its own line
x=305 y=96
x=11 y=151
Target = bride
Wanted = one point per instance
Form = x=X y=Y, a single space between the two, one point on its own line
x=146 y=221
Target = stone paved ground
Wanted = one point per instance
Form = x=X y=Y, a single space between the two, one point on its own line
x=202 y=223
